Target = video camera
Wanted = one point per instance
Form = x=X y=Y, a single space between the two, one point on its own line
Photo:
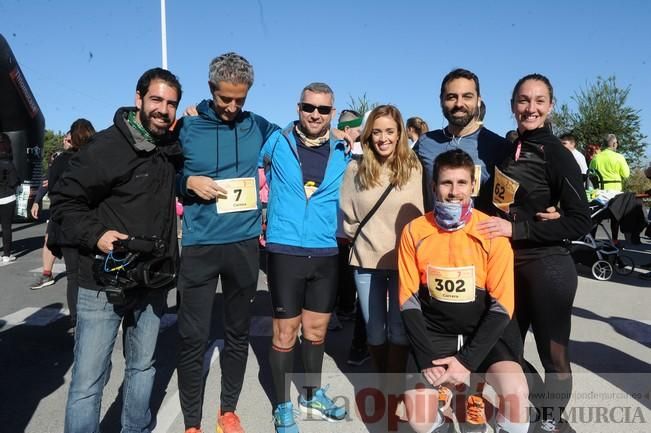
x=135 y=263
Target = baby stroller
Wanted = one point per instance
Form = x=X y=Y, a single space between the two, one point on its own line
x=601 y=255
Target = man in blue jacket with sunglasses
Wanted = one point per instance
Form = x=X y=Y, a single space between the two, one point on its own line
x=305 y=165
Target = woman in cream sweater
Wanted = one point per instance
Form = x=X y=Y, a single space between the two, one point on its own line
x=386 y=160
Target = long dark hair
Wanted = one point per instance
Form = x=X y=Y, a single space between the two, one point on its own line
x=81 y=131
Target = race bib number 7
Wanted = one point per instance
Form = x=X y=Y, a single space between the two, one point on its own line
x=242 y=195
x=504 y=189
x=448 y=284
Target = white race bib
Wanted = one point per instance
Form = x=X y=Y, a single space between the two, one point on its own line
x=242 y=195
x=448 y=284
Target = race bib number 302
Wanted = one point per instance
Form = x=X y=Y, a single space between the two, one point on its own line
x=242 y=195
x=448 y=284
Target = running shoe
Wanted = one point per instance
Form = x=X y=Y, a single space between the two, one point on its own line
x=284 y=418
x=358 y=356
x=445 y=397
x=475 y=415
x=193 y=430
x=553 y=426
x=322 y=406
x=43 y=281
x=228 y=422
x=7 y=259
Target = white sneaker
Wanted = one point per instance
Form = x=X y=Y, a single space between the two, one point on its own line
x=7 y=259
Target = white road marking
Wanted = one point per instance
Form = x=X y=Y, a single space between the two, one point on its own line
x=56 y=269
x=32 y=316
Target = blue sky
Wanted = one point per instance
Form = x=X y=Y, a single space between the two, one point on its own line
x=83 y=58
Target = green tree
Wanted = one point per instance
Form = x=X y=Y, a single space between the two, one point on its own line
x=361 y=104
x=601 y=109
x=52 y=142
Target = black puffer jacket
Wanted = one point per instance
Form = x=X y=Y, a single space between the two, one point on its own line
x=119 y=182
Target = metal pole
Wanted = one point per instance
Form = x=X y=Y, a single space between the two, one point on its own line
x=163 y=32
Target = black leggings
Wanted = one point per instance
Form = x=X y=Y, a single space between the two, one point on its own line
x=544 y=295
x=6 y=217
x=201 y=268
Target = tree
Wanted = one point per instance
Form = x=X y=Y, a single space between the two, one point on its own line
x=361 y=104
x=52 y=142
x=601 y=109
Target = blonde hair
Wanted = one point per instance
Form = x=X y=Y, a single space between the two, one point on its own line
x=400 y=164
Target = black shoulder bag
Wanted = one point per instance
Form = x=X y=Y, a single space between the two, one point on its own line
x=368 y=216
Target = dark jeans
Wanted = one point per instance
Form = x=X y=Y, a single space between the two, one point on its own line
x=71 y=259
x=6 y=217
x=201 y=267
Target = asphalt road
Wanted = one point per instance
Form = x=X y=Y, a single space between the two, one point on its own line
x=610 y=352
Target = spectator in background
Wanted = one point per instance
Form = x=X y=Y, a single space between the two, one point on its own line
x=613 y=170
x=415 y=128
x=46 y=278
x=511 y=136
x=482 y=112
x=590 y=151
x=9 y=181
x=350 y=122
x=611 y=165
x=568 y=140
x=81 y=132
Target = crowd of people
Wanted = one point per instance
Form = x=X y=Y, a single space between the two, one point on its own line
x=448 y=244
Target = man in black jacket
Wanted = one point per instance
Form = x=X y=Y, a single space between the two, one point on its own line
x=120 y=187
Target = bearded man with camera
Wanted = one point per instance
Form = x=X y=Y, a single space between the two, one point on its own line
x=115 y=203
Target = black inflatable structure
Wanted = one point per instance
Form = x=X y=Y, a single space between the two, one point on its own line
x=22 y=120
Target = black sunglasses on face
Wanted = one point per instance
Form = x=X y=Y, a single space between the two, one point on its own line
x=309 y=108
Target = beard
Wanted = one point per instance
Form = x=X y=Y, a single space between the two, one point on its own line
x=146 y=121
x=459 y=122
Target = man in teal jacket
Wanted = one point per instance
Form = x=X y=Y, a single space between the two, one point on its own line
x=305 y=167
x=221 y=225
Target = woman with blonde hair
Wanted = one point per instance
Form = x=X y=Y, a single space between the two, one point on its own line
x=380 y=194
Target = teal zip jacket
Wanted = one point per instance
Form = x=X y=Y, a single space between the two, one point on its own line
x=220 y=150
x=292 y=218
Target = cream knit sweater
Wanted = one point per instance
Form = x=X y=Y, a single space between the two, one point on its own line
x=375 y=247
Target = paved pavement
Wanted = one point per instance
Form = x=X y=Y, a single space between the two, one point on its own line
x=610 y=352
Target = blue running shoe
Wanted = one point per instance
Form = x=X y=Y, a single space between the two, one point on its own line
x=322 y=406
x=284 y=421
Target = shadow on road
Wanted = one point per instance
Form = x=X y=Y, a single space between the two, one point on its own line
x=33 y=363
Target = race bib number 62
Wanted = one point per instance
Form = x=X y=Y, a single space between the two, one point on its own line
x=504 y=189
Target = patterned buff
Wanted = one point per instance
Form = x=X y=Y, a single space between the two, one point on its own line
x=452 y=216
x=312 y=142
x=138 y=127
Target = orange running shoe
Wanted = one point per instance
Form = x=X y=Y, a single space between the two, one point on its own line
x=229 y=423
x=475 y=415
x=193 y=430
x=445 y=397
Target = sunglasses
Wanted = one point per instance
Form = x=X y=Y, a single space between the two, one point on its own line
x=309 y=108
